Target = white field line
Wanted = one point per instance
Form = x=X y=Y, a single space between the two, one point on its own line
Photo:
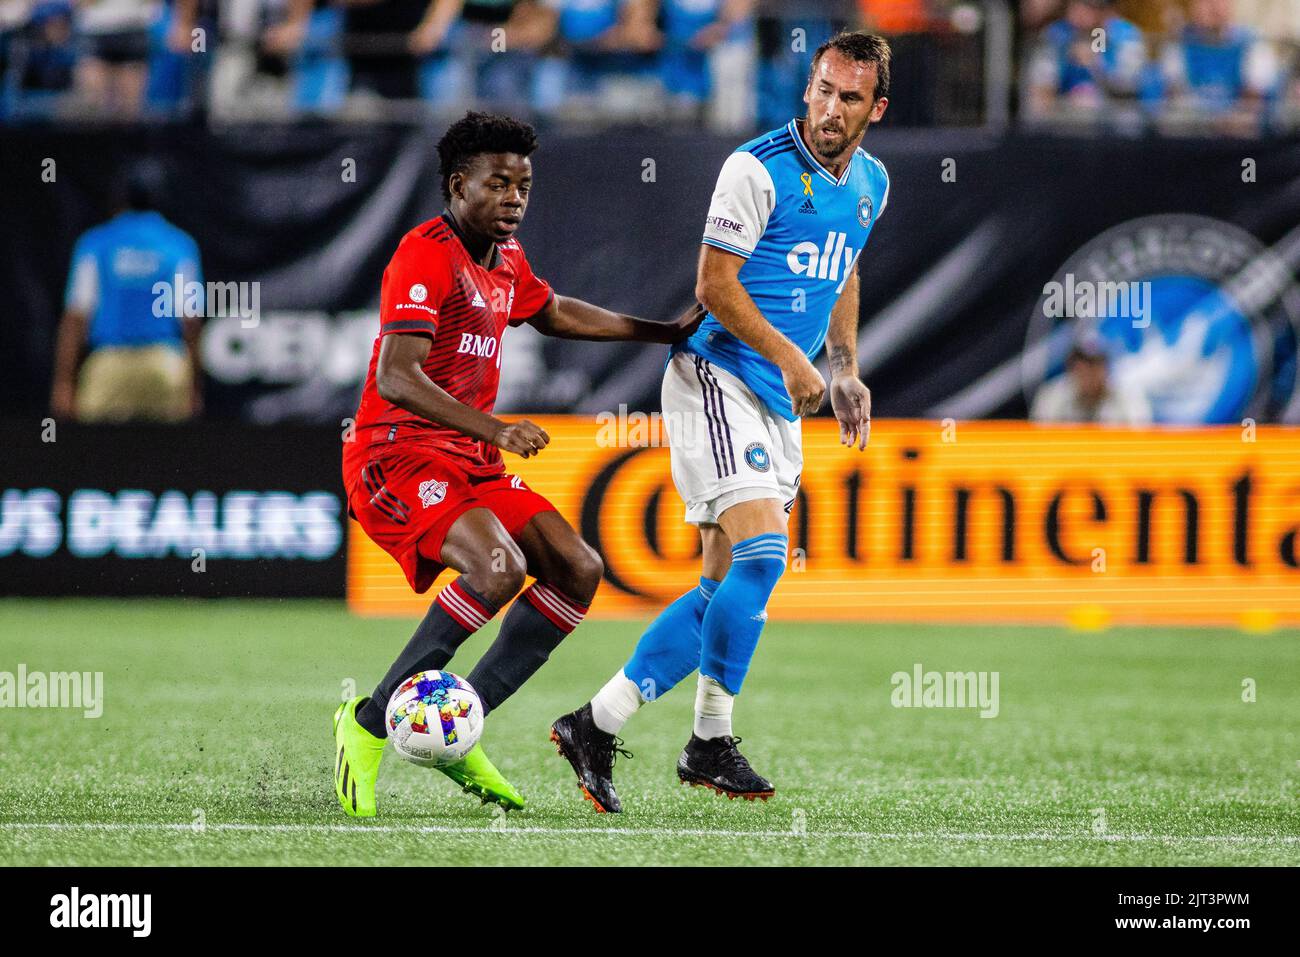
x=511 y=830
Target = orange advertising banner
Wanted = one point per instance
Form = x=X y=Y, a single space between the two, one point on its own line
x=969 y=521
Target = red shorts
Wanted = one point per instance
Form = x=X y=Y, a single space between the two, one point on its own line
x=404 y=496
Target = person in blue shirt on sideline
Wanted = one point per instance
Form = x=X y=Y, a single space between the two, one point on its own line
x=600 y=39
x=777 y=274
x=1089 y=56
x=133 y=301
x=692 y=30
x=1221 y=69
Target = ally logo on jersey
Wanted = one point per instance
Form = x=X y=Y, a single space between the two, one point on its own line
x=828 y=261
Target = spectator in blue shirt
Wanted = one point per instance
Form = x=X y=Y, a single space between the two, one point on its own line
x=692 y=30
x=46 y=54
x=1220 y=68
x=1088 y=57
x=600 y=38
x=133 y=300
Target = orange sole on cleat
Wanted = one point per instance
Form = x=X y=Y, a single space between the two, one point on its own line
x=594 y=802
x=559 y=749
x=730 y=795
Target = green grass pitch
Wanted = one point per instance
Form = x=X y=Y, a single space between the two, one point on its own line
x=219 y=713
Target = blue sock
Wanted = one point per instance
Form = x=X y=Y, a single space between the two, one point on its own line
x=735 y=616
x=670 y=648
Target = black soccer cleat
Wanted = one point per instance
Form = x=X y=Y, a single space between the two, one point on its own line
x=592 y=753
x=718 y=765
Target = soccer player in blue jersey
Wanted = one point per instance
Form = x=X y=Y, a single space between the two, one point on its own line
x=778 y=277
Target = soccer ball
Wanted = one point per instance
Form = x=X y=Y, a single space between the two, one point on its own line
x=434 y=718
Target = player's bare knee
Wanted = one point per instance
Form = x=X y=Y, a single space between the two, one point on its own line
x=585 y=569
x=510 y=566
x=499 y=572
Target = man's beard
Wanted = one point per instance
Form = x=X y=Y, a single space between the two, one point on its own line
x=833 y=146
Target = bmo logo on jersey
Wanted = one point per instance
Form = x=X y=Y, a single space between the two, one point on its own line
x=483 y=346
x=826 y=262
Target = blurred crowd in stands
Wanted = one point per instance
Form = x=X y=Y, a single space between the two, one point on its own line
x=1225 y=65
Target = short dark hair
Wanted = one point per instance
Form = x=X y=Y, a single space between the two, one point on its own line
x=141 y=186
x=477 y=133
x=863 y=48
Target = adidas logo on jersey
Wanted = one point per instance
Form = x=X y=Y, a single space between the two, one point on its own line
x=479 y=302
x=808 y=207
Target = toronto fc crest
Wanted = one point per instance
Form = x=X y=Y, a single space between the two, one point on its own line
x=432 y=492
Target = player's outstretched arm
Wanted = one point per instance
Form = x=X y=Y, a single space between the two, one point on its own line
x=718 y=288
x=567 y=318
x=400 y=379
x=850 y=399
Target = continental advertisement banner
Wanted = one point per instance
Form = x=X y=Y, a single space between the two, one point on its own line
x=948 y=521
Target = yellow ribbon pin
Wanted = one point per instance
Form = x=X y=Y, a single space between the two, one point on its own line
x=806 y=179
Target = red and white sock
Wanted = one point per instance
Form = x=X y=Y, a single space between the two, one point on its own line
x=563 y=612
x=469 y=612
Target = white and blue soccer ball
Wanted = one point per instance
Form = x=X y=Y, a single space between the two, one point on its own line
x=434 y=718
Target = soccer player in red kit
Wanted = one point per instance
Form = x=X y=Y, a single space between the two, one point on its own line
x=424 y=474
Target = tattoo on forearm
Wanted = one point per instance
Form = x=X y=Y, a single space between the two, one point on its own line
x=841 y=360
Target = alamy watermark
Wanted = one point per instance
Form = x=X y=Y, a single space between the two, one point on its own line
x=82 y=690
x=1085 y=299
x=130 y=911
x=946 y=689
x=208 y=300
x=634 y=429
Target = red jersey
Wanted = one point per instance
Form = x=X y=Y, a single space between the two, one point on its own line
x=433 y=287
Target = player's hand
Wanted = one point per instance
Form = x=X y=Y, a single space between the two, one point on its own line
x=522 y=438
x=851 y=402
x=684 y=326
x=806 y=386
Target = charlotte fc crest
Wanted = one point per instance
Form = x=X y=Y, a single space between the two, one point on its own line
x=432 y=492
x=865 y=210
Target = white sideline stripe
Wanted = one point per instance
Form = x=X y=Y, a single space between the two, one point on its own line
x=647 y=831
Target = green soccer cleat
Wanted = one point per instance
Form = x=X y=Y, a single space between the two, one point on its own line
x=356 y=761
x=478 y=776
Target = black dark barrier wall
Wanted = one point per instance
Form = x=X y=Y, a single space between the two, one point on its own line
x=975 y=226
x=207 y=510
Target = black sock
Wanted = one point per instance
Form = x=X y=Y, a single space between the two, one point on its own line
x=455 y=614
x=533 y=627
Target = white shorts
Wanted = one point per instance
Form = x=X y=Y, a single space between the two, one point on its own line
x=726 y=446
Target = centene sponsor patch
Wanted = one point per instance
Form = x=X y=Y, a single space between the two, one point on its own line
x=721 y=222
